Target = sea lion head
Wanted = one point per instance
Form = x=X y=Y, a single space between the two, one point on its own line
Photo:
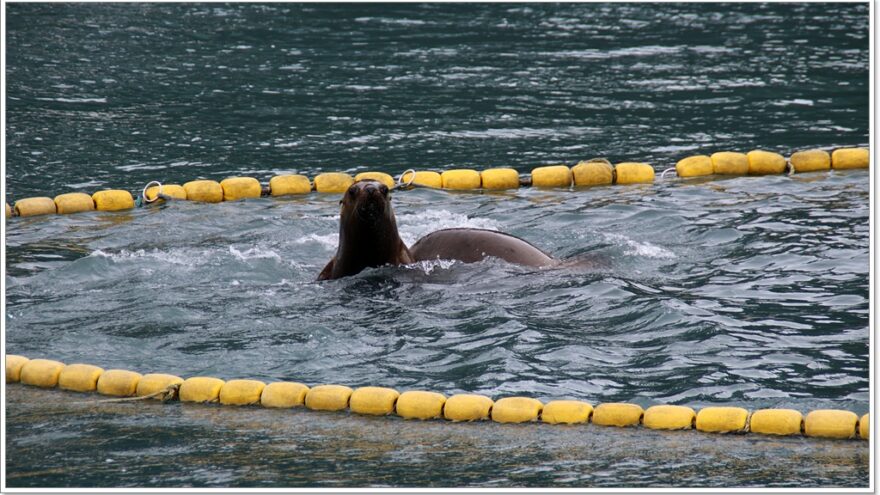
x=367 y=202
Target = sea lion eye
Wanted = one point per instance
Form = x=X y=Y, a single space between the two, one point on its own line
x=383 y=189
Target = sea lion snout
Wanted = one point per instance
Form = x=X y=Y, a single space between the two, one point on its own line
x=369 y=198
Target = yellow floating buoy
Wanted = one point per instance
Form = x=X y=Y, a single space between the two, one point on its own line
x=424 y=178
x=460 y=179
x=730 y=163
x=29 y=207
x=379 y=176
x=283 y=185
x=200 y=389
x=551 y=176
x=240 y=188
x=74 y=202
x=831 y=423
x=566 y=411
x=765 y=162
x=170 y=190
x=333 y=182
x=592 y=173
x=776 y=422
x=467 y=407
x=204 y=191
x=634 y=173
x=8 y=211
x=418 y=404
x=241 y=392
x=694 y=166
x=328 y=397
x=864 y=427
x=845 y=158
x=499 y=178
x=79 y=377
x=668 y=417
x=41 y=373
x=810 y=161
x=284 y=394
x=617 y=414
x=154 y=382
x=14 y=363
x=374 y=401
x=113 y=200
x=722 y=419
x=121 y=383
x=516 y=410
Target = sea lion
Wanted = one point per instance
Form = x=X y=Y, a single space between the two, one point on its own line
x=368 y=237
x=368 y=234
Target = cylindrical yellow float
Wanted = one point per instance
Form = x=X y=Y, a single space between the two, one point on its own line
x=634 y=173
x=765 y=162
x=379 y=176
x=844 y=158
x=113 y=200
x=8 y=211
x=566 y=411
x=694 y=166
x=592 y=173
x=205 y=191
x=284 y=394
x=667 y=417
x=418 y=404
x=461 y=179
x=283 y=185
x=200 y=389
x=617 y=414
x=333 y=182
x=730 y=163
x=499 y=178
x=776 y=422
x=14 y=363
x=810 y=161
x=831 y=423
x=29 y=207
x=424 y=178
x=551 y=176
x=374 y=401
x=864 y=427
x=41 y=372
x=328 y=397
x=173 y=191
x=722 y=419
x=154 y=382
x=240 y=188
x=74 y=202
x=79 y=377
x=241 y=392
x=516 y=410
x=467 y=407
x=121 y=383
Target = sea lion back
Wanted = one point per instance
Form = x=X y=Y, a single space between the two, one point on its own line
x=472 y=245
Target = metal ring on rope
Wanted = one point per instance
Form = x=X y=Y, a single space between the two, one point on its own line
x=670 y=169
x=158 y=193
x=412 y=178
x=790 y=168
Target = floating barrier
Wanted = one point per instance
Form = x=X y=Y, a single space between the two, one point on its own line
x=427 y=405
x=587 y=173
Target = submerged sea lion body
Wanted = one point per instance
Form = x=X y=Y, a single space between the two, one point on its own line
x=368 y=238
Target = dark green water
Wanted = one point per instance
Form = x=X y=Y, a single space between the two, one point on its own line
x=748 y=291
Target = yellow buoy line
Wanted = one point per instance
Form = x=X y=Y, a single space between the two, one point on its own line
x=586 y=173
x=426 y=405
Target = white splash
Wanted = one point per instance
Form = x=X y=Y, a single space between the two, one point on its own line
x=254 y=253
x=328 y=241
x=176 y=257
x=644 y=249
x=414 y=226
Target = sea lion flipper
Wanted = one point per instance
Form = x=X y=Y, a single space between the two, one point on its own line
x=328 y=270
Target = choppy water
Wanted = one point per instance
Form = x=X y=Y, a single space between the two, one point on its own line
x=749 y=291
